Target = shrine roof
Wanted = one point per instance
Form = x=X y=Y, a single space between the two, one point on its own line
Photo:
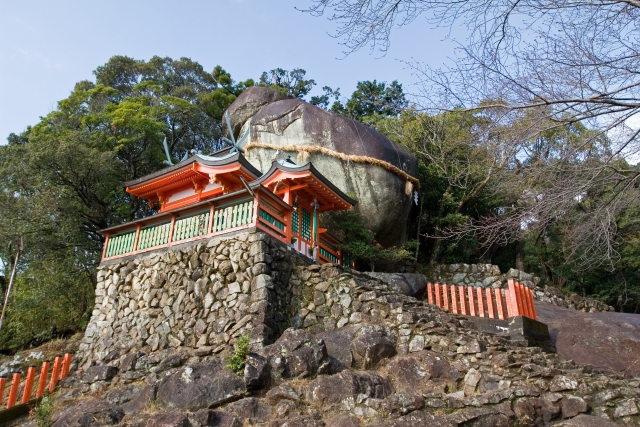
x=211 y=161
x=314 y=179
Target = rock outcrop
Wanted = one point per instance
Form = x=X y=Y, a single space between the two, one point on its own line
x=329 y=347
x=360 y=354
x=384 y=198
x=401 y=380
x=604 y=339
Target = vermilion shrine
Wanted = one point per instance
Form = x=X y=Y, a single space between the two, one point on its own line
x=206 y=196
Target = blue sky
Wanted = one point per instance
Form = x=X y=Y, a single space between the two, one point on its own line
x=47 y=46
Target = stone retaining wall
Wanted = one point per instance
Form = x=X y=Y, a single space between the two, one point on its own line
x=480 y=275
x=194 y=295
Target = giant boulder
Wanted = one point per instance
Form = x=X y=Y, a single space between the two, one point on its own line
x=384 y=197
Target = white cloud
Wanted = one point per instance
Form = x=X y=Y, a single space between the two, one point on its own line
x=37 y=58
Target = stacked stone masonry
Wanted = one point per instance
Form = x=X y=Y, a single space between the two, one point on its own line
x=330 y=347
x=198 y=295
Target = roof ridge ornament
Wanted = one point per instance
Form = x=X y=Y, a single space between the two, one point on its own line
x=235 y=146
x=168 y=162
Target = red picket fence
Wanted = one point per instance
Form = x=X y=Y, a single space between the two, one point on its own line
x=61 y=366
x=501 y=304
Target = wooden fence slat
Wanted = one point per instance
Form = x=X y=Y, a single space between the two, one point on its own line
x=472 y=301
x=42 y=381
x=430 y=293
x=438 y=295
x=454 y=299
x=490 y=304
x=498 y=294
x=463 y=300
x=28 y=384
x=13 y=391
x=481 y=305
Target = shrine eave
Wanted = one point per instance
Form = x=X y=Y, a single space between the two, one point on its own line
x=186 y=165
x=312 y=178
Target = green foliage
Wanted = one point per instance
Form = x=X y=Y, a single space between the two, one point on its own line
x=291 y=82
x=357 y=241
x=457 y=174
x=324 y=100
x=43 y=412
x=60 y=179
x=235 y=361
x=371 y=101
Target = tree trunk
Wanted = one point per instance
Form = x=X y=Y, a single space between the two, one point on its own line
x=519 y=255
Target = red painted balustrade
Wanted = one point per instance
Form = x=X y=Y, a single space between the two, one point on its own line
x=516 y=300
x=61 y=366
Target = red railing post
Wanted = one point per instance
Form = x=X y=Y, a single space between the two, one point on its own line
x=480 y=302
x=42 y=381
x=66 y=365
x=528 y=301
x=490 y=304
x=520 y=300
x=533 y=305
x=498 y=293
x=136 y=238
x=106 y=245
x=28 y=384
x=472 y=302
x=171 y=229
x=512 y=297
x=438 y=295
x=463 y=300
x=3 y=384
x=430 y=293
x=13 y=391
x=454 y=299
x=445 y=296
x=55 y=375
x=212 y=211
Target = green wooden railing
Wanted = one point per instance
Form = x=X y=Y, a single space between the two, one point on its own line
x=226 y=217
x=325 y=253
x=233 y=216
x=154 y=235
x=121 y=244
x=270 y=219
x=192 y=226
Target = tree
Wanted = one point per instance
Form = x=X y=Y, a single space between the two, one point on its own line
x=293 y=82
x=372 y=100
x=323 y=100
x=60 y=179
x=546 y=64
x=357 y=243
x=459 y=173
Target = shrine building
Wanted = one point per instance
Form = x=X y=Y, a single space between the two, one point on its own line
x=206 y=196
